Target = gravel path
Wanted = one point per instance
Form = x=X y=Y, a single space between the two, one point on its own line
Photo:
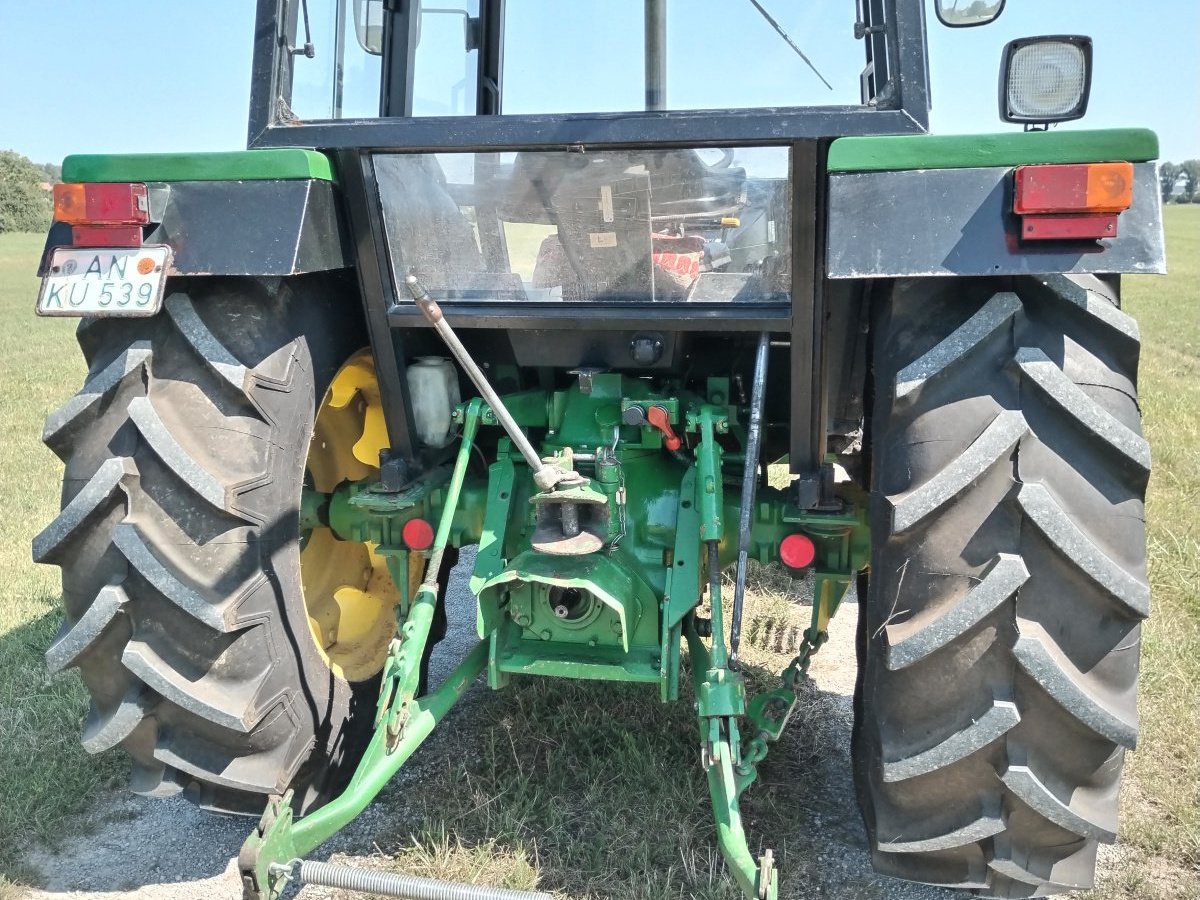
x=154 y=849
x=147 y=849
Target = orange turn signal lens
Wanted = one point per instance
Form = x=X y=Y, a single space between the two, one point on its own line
x=1109 y=187
x=1079 y=188
x=70 y=204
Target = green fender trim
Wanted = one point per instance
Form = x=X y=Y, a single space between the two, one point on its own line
x=891 y=153
x=238 y=165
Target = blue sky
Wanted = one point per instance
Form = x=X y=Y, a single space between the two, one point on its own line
x=127 y=76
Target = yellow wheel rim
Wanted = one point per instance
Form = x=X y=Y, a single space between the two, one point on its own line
x=348 y=592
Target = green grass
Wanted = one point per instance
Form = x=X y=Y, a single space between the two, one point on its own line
x=594 y=790
x=45 y=777
x=1160 y=815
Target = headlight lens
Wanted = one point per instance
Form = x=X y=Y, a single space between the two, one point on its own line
x=1046 y=79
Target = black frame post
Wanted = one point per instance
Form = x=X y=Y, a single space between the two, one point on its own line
x=366 y=229
x=901 y=106
x=401 y=25
x=656 y=54
x=807 y=375
x=270 y=66
x=489 y=92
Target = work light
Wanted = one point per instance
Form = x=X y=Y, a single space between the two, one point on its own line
x=1045 y=79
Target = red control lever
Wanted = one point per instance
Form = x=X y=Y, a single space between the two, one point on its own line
x=658 y=417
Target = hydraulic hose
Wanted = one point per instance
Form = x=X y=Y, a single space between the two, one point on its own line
x=749 y=487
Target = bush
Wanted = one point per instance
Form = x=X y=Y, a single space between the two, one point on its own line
x=24 y=204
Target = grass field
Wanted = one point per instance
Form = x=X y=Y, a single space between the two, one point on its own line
x=44 y=774
x=518 y=799
x=1160 y=825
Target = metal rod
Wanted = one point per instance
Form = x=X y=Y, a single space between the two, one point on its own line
x=570 y=519
x=656 y=54
x=405 y=887
x=749 y=488
x=339 y=57
x=714 y=598
x=722 y=784
x=433 y=314
x=450 y=504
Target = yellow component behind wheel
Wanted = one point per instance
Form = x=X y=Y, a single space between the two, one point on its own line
x=348 y=591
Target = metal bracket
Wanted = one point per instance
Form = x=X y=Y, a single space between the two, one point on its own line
x=267 y=857
x=720 y=746
x=268 y=845
x=394 y=474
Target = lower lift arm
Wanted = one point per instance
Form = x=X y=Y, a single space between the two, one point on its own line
x=272 y=855
x=721 y=690
x=721 y=700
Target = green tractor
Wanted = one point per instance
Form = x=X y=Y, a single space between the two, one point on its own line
x=502 y=276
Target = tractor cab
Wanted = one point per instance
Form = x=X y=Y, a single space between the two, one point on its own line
x=650 y=167
x=362 y=59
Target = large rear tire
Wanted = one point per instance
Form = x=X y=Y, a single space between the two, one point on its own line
x=179 y=543
x=1008 y=582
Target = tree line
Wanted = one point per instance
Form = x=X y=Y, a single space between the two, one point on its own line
x=25 y=200
x=1180 y=182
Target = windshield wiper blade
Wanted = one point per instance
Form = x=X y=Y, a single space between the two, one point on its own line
x=783 y=34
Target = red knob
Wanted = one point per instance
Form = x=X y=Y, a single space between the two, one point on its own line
x=658 y=417
x=417 y=534
x=797 y=551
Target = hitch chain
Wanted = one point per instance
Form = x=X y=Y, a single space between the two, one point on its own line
x=797 y=670
x=769 y=713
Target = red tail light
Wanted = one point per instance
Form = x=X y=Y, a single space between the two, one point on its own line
x=103 y=214
x=101 y=204
x=1072 y=202
x=1086 y=188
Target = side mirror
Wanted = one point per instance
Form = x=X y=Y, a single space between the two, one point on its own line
x=968 y=13
x=368 y=25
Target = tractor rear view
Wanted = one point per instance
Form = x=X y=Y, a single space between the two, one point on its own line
x=496 y=308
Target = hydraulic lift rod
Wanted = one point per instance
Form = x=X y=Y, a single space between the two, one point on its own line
x=545 y=476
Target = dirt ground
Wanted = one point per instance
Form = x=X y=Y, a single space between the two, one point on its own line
x=158 y=849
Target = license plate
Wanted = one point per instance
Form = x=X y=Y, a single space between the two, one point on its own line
x=116 y=282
